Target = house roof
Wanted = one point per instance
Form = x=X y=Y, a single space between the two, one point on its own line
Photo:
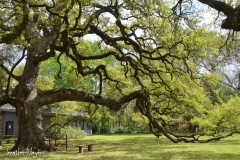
x=47 y=112
x=7 y=108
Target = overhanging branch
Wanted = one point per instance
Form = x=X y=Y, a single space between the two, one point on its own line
x=219 y=6
x=233 y=14
x=58 y=95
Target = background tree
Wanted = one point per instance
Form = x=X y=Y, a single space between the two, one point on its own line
x=154 y=46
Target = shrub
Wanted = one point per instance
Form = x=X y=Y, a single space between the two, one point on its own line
x=73 y=132
x=119 y=131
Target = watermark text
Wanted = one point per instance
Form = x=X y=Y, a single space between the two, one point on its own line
x=18 y=152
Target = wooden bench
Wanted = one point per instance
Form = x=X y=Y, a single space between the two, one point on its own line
x=81 y=147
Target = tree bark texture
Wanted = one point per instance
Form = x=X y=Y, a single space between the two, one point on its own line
x=29 y=119
x=29 y=116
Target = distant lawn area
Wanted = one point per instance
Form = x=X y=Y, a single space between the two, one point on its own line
x=137 y=146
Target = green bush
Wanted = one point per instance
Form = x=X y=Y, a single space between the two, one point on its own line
x=73 y=132
x=119 y=131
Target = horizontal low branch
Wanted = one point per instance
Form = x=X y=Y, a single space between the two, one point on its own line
x=58 y=95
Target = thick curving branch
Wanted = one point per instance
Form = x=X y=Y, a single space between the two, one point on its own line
x=19 y=28
x=144 y=105
x=233 y=14
x=10 y=73
x=218 y=5
x=58 y=95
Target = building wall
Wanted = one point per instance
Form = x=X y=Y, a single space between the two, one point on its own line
x=88 y=127
x=83 y=125
x=46 y=121
x=11 y=116
x=7 y=117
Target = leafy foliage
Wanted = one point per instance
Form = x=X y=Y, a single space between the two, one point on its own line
x=73 y=132
x=155 y=54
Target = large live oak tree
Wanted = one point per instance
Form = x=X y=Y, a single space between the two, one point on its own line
x=135 y=33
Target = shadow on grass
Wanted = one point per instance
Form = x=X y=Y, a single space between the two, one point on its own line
x=122 y=147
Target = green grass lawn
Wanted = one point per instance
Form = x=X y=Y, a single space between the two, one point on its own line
x=142 y=147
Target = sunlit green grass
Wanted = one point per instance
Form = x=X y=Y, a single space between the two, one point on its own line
x=142 y=147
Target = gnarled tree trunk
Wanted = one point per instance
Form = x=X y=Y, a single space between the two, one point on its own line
x=29 y=118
